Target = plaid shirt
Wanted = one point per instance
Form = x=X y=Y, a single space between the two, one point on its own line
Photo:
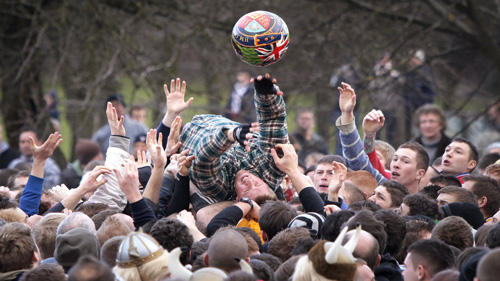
x=217 y=159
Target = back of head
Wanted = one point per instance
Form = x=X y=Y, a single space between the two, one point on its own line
x=224 y=247
x=362 y=179
x=282 y=244
x=86 y=150
x=447 y=275
x=481 y=234
x=488 y=269
x=16 y=247
x=460 y=194
x=433 y=254
x=286 y=269
x=110 y=228
x=171 y=233
x=275 y=216
x=387 y=151
x=454 y=231
x=44 y=234
x=46 y=272
x=333 y=223
x=469 y=269
x=90 y=208
x=445 y=180
x=420 y=205
x=262 y=270
x=430 y=191
x=100 y=217
x=88 y=268
x=421 y=154
x=73 y=244
x=76 y=220
x=493 y=237
x=367 y=248
x=466 y=255
x=269 y=259
x=395 y=227
x=351 y=193
x=364 y=205
x=109 y=250
x=371 y=225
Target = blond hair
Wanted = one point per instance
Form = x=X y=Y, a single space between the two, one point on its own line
x=154 y=270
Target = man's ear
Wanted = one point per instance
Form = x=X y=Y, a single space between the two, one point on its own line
x=481 y=202
x=471 y=165
x=378 y=260
x=205 y=259
x=36 y=258
x=264 y=236
x=420 y=174
x=421 y=272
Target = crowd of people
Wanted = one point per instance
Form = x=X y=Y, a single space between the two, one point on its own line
x=216 y=199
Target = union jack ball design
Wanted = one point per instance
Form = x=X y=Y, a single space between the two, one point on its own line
x=260 y=38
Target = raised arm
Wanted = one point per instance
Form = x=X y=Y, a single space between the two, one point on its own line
x=159 y=157
x=30 y=199
x=175 y=100
x=352 y=146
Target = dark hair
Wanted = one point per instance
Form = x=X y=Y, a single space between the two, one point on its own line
x=466 y=255
x=309 y=169
x=172 y=233
x=397 y=191
x=110 y=249
x=262 y=270
x=333 y=223
x=432 y=254
x=91 y=209
x=420 y=205
x=275 y=216
x=31 y=129
x=422 y=156
x=365 y=205
x=247 y=231
x=445 y=180
x=395 y=227
x=481 y=234
x=487 y=160
x=100 y=217
x=486 y=187
x=369 y=224
x=328 y=159
x=5 y=175
x=430 y=191
x=7 y=203
x=454 y=231
x=493 y=237
x=86 y=150
x=269 y=259
x=474 y=154
x=89 y=265
x=46 y=272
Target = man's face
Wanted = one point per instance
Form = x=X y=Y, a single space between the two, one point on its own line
x=249 y=185
x=322 y=177
x=430 y=125
x=305 y=120
x=456 y=159
x=410 y=273
x=445 y=198
x=404 y=167
x=24 y=142
x=139 y=115
x=120 y=111
x=381 y=197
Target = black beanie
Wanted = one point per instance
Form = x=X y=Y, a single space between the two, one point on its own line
x=468 y=211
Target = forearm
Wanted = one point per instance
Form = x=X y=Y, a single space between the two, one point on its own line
x=169 y=118
x=38 y=167
x=180 y=198
x=298 y=180
x=311 y=201
x=73 y=198
x=229 y=216
x=152 y=191
x=369 y=143
x=30 y=199
x=375 y=161
x=333 y=196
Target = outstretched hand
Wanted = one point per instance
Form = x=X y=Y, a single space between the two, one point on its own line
x=173 y=143
x=46 y=150
x=175 y=97
x=265 y=85
x=115 y=122
x=184 y=162
x=92 y=182
x=373 y=122
x=347 y=99
x=155 y=149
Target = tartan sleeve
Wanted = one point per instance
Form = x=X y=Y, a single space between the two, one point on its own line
x=208 y=165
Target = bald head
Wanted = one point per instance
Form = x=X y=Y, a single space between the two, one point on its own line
x=367 y=248
x=224 y=247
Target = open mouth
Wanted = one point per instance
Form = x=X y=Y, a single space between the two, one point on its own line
x=395 y=174
x=446 y=162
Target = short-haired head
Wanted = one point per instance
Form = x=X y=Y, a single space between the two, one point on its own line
x=454 y=231
x=224 y=247
x=488 y=269
x=283 y=243
x=445 y=180
x=46 y=272
x=421 y=154
x=362 y=179
x=432 y=254
x=333 y=223
x=386 y=150
x=17 y=247
x=172 y=233
x=275 y=216
x=485 y=187
x=395 y=227
x=109 y=250
x=397 y=191
x=89 y=265
x=421 y=205
x=367 y=248
x=76 y=220
x=430 y=108
x=370 y=224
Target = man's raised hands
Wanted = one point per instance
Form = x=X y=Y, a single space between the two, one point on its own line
x=373 y=122
x=44 y=151
x=115 y=122
x=347 y=102
x=265 y=85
